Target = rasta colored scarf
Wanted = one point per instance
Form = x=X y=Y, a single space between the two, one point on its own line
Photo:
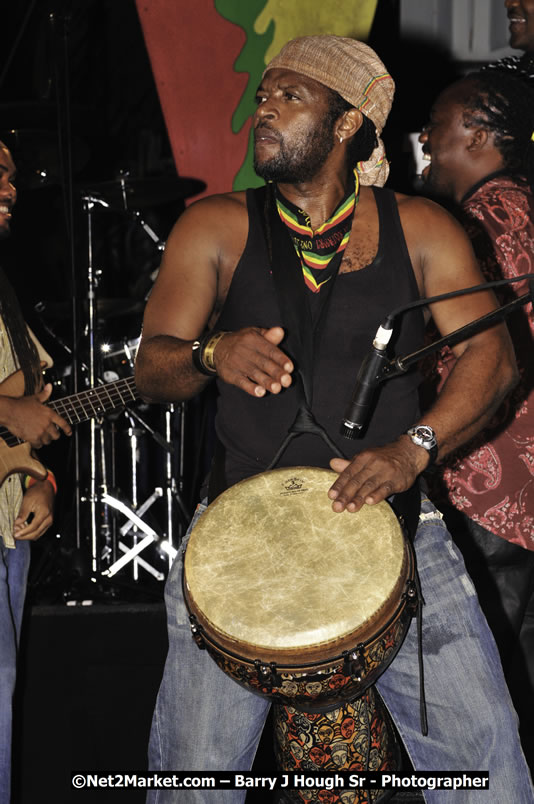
x=320 y=252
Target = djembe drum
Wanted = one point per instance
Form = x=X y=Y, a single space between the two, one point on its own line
x=308 y=607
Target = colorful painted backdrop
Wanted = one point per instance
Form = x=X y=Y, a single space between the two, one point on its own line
x=207 y=57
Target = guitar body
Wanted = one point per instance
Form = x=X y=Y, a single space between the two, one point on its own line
x=19 y=458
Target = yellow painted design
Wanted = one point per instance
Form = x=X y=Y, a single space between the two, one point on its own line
x=302 y=18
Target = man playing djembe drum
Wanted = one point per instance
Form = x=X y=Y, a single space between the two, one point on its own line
x=218 y=311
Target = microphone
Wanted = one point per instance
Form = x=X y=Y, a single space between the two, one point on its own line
x=369 y=377
x=373 y=369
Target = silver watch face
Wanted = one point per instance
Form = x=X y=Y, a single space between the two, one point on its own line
x=423 y=436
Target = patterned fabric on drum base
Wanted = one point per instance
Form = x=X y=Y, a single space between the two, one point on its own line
x=358 y=736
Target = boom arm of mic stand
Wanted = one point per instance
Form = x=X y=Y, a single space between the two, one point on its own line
x=400 y=365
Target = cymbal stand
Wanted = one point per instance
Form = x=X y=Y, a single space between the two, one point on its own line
x=89 y=202
x=173 y=492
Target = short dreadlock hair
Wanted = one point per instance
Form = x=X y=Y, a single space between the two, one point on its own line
x=363 y=143
x=503 y=103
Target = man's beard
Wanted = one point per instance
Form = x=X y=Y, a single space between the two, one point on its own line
x=304 y=160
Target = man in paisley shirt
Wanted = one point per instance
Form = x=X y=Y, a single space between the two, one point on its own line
x=521 y=26
x=480 y=142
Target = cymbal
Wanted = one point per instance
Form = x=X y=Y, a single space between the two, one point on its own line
x=105 y=308
x=127 y=193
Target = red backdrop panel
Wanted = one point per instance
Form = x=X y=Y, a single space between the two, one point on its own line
x=192 y=51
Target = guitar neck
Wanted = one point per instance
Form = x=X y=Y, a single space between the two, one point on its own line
x=87 y=404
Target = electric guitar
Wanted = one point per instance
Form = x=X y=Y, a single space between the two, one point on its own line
x=16 y=455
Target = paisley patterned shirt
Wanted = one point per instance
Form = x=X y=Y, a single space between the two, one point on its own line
x=492 y=481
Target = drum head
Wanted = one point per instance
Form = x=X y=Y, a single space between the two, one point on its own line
x=271 y=569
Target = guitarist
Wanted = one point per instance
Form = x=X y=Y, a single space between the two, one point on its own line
x=25 y=513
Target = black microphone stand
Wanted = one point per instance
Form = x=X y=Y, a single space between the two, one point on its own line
x=400 y=365
x=377 y=368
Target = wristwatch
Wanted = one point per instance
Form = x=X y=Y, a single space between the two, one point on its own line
x=424 y=436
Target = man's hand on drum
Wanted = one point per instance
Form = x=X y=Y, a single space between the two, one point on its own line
x=251 y=360
x=375 y=474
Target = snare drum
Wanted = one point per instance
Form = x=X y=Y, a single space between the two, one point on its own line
x=293 y=601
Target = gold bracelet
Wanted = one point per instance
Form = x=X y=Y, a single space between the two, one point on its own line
x=207 y=350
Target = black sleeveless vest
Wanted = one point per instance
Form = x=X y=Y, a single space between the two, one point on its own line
x=251 y=429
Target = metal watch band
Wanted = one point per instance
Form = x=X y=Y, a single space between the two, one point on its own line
x=424 y=436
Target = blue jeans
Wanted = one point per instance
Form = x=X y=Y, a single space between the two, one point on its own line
x=14 y=566
x=205 y=721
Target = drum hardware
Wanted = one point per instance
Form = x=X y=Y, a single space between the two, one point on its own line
x=109 y=360
x=129 y=194
x=412 y=596
x=269 y=676
x=196 y=633
x=88 y=204
x=160 y=244
x=133 y=511
x=288 y=683
x=133 y=433
x=172 y=494
x=140 y=510
x=105 y=308
x=150 y=537
x=159 y=576
x=354 y=663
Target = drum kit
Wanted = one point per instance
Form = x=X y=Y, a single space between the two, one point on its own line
x=110 y=520
x=114 y=545
x=308 y=608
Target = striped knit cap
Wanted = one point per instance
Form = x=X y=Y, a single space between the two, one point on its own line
x=356 y=73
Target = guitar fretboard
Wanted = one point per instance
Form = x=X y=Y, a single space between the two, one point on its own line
x=87 y=404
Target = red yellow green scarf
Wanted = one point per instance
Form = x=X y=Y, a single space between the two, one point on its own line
x=321 y=251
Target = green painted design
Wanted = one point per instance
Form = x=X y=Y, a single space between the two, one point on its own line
x=251 y=60
x=268 y=24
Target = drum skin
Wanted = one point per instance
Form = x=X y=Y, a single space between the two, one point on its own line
x=293 y=601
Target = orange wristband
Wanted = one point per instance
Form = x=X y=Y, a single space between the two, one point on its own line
x=30 y=481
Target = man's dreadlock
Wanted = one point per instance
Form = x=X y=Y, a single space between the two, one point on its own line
x=22 y=345
x=503 y=103
x=364 y=141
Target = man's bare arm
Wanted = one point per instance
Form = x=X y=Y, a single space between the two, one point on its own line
x=201 y=254
x=484 y=373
